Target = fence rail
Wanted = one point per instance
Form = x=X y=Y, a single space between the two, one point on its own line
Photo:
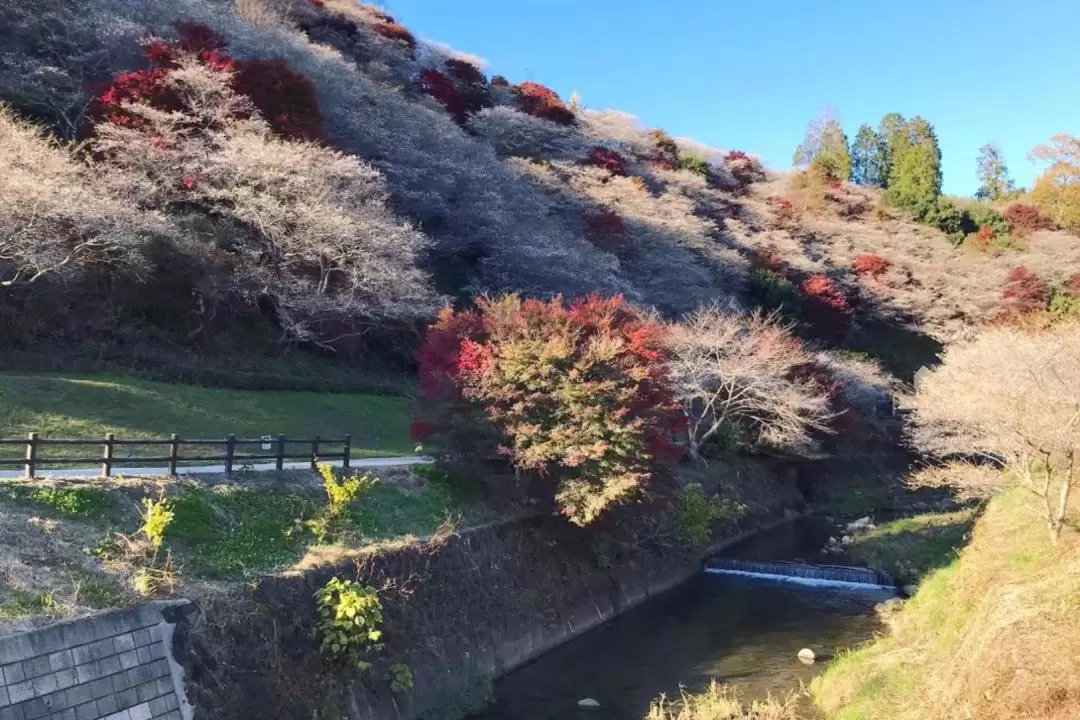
x=313 y=451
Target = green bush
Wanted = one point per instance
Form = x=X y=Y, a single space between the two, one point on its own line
x=157 y=516
x=1064 y=305
x=982 y=215
x=697 y=514
x=771 y=291
x=694 y=163
x=347 y=622
x=946 y=216
x=399 y=677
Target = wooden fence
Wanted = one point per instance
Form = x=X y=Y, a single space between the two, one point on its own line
x=312 y=452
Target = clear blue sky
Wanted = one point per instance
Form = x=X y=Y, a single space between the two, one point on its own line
x=749 y=74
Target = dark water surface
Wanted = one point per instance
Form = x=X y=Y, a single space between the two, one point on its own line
x=740 y=631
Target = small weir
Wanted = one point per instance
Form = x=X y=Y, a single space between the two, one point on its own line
x=841 y=576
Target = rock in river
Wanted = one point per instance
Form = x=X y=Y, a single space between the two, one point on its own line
x=588 y=703
x=807 y=656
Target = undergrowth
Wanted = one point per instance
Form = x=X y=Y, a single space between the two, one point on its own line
x=911 y=547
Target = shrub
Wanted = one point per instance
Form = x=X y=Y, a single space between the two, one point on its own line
x=609 y=160
x=500 y=81
x=1025 y=292
x=543 y=102
x=465 y=72
x=285 y=98
x=348 y=616
x=697 y=514
x=666 y=147
x=578 y=393
x=769 y=257
x=695 y=164
x=784 y=209
x=1026 y=219
x=472 y=85
x=399 y=678
x=743 y=168
x=392 y=31
x=980 y=215
x=157 y=516
x=737 y=155
x=949 y=218
x=872 y=265
x=341 y=494
x=440 y=87
x=826 y=308
x=773 y=292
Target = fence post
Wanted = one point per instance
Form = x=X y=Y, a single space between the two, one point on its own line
x=31 y=454
x=107 y=455
x=346 y=452
x=280 y=460
x=174 y=452
x=230 y=451
x=315 y=453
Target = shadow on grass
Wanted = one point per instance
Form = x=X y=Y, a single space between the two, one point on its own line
x=910 y=548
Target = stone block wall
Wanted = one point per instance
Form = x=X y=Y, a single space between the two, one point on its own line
x=115 y=666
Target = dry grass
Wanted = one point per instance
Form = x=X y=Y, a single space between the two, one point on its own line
x=720 y=702
x=992 y=636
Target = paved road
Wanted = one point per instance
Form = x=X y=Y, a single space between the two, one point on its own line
x=118 y=469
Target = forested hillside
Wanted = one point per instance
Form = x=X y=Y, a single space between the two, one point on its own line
x=244 y=180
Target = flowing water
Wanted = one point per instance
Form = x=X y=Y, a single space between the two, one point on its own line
x=740 y=630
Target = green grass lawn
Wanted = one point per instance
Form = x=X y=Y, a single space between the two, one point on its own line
x=89 y=406
x=912 y=547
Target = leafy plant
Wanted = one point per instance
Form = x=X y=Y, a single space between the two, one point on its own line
x=697 y=514
x=1026 y=219
x=341 y=494
x=607 y=159
x=826 y=308
x=543 y=102
x=157 y=515
x=872 y=265
x=694 y=163
x=399 y=677
x=348 y=616
x=440 y=87
x=772 y=291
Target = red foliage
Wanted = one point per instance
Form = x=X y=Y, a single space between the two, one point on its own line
x=440 y=87
x=784 y=209
x=606 y=230
x=543 y=102
x=663 y=163
x=610 y=160
x=473 y=359
x=827 y=309
x=392 y=31
x=196 y=38
x=190 y=182
x=737 y=155
x=420 y=430
x=465 y=72
x=284 y=97
x=318 y=3
x=1026 y=219
x=768 y=258
x=873 y=265
x=1025 y=292
x=985 y=235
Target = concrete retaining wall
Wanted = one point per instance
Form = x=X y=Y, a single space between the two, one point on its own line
x=115 y=666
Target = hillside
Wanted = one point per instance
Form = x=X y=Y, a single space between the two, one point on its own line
x=384 y=177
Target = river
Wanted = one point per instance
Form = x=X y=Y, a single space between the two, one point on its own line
x=739 y=631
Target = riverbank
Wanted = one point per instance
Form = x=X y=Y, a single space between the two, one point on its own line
x=991 y=635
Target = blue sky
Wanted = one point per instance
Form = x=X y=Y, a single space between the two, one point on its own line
x=750 y=74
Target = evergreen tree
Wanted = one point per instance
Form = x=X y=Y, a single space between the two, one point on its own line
x=892 y=130
x=868 y=158
x=994 y=179
x=825 y=146
x=915 y=172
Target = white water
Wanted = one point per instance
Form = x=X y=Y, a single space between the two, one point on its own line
x=810 y=582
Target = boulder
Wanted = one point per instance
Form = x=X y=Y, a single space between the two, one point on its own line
x=806 y=656
x=588 y=704
x=846 y=540
x=860 y=525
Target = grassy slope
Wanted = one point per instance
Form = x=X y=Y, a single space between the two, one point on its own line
x=910 y=548
x=90 y=406
x=61 y=556
x=993 y=635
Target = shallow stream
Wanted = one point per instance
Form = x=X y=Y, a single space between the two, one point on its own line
x=740 y=631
